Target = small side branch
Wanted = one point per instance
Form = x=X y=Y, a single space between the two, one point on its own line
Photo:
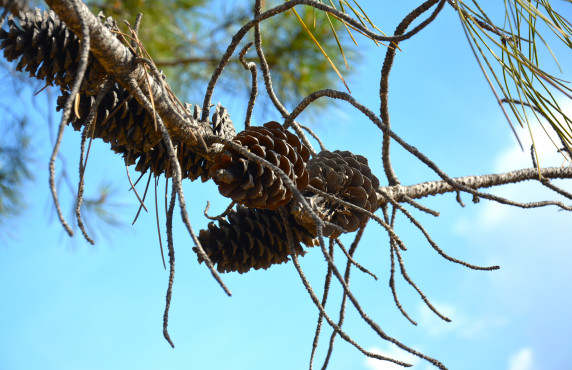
x=171 y=264
x=82 y=66
x=254 y=89
x=316 y=301
x=384 y=82
x=351 y=252
x=327 y=282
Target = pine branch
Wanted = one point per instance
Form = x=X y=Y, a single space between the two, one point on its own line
x=120 y=63
x=426 y=189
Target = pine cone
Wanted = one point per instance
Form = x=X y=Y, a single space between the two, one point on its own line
x=121 y=120
x=346 y=176
x=16 y=6
x=252 y=184
x=193 y=165
x=130 y=129
x=48 y=50
x=250 y=238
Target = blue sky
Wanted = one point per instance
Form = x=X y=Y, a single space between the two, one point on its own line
x=69 y=305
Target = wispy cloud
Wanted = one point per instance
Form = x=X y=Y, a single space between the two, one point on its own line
x=493 y=215
x=521 y=360
x=462 y=324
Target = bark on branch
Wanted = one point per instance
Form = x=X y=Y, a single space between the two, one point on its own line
x=425 y=189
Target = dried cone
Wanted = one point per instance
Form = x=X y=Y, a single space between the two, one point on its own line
x=130 y=129
x=48 y=50
x=348 y=177
x=193 y=165
x=250 y=238
x=250 y=183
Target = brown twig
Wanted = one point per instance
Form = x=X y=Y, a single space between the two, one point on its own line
x=158 y=225
x=143 y=200
x=171 y=265
x=82 y=66
x=327 y=282
x=254 y=88
x=353 y=262
x=384 y=81
x=351 y=252
x=317 y=303
x=223 y=215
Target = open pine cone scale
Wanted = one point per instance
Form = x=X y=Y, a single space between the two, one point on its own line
x=349 y=178
x=249 y=182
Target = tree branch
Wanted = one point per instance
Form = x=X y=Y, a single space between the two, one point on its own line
x=119 y=62
x=426 y=189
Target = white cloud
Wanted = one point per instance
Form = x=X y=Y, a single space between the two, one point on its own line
x=393 y=352
x=548 y=155
x=461 y=324
x=492 y=214
x=521 y=360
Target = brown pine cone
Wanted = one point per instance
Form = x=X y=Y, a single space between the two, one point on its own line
x=250 y=238
x=130 y=129
x=48 y=50
x=252 y=184
x=346 y=176
x=193 y=165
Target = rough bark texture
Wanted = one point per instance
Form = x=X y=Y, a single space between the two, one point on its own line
x=426 y=189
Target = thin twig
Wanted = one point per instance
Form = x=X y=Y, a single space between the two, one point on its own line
x=135 y=29
x=419 y=291
x=487 y=26
x=158 y=225
x=80 y=189
x=143 y=200
x=134 y=190
x=313 y=134
x=327 y=282
x=360 y=267
x=222 y=216
x=432 y=243
x=351 y=252
x=392 y=249
x=384 y=81
x=555 y=188
x=89 y=127
x=171 y=265
x=82 y=66
x=254 y=88
x=317 y=303
x=459 y=199
x=420 y=207
x=178 y=186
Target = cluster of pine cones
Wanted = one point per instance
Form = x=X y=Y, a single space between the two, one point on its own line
x=255 y=236
x=252 y=236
